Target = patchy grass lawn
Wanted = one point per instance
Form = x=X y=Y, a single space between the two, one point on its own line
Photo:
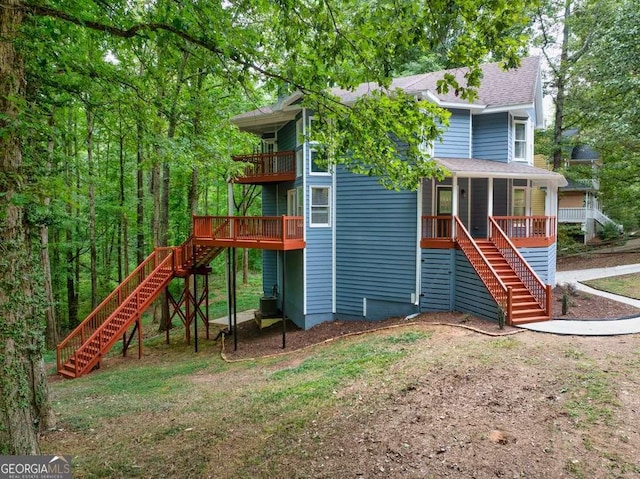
x=625 y=285
x=419 y=402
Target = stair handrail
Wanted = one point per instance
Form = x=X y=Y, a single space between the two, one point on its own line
x=603 y=219
x=526 y=274
x=135 y=295
x=491 y=279
x=102 y=312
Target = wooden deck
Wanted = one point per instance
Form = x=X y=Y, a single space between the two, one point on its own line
x=523 y=231
x=267 y=167
x=282 y=233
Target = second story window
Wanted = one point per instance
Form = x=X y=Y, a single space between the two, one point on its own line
x=519 y=140
x=320 y=206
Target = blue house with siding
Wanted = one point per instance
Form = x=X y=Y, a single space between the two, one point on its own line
x=468 y=243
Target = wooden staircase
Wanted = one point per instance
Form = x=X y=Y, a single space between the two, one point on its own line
x=83 y=349
x=524 y=306
x=509 y=279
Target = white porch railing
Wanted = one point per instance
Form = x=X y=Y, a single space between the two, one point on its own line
x=574 y=215
x=581 y=215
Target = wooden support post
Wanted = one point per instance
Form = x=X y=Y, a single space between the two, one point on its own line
x=509 y=305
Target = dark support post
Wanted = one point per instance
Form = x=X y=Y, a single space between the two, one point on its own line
x=284 y=289
x=196 y=308
x=206 y=302
x=124 y=344
x=187 y=309
x=229 y=287
x=139 y=323
x=234 y=295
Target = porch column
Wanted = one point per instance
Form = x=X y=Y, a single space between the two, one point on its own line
x=551 y=203
x=490 y=197
x=454 y=204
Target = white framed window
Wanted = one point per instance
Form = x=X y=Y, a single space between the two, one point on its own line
x=520 y=140
x=320 y=206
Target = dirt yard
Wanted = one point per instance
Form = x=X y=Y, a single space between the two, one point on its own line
x=463 y=399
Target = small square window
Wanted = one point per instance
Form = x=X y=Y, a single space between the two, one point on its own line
x=316 y=167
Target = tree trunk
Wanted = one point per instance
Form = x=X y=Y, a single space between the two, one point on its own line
x=561 y=84
x=24 y=403
x=140 y=252
x=123 y=217
x=51 y=337
x=92 y=209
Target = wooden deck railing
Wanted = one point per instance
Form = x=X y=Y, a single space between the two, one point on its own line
x=533 y=283
x=264 y=167
x=524 y=231
x=102 y=338
x=528 y=230
x=437 y=227
x=496 y=287
x=111 y=303
x=250 y=229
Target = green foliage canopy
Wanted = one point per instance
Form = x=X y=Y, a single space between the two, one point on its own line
x=316 y=44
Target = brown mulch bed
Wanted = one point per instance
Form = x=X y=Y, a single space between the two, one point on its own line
x=601 y=259
x=586 y=306
x=256 y=343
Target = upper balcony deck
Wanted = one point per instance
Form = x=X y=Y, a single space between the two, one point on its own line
x=268 y=167
x=282 y=233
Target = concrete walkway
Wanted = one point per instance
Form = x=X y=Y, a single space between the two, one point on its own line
x=605 y=327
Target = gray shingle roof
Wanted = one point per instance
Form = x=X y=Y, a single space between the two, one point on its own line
x=487 y=168
x=498 y=87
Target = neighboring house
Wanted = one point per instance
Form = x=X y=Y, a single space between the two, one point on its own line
x=578 y=202
x=469 y=243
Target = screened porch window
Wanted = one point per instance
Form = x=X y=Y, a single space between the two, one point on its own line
x=519 y=204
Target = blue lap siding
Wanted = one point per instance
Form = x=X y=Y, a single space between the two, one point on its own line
x=491 y=137
x=456 y=139
x=375 y=247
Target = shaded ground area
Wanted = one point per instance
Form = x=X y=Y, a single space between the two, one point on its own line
x=423 y=401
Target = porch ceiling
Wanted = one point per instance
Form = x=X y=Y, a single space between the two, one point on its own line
x=476 y=168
